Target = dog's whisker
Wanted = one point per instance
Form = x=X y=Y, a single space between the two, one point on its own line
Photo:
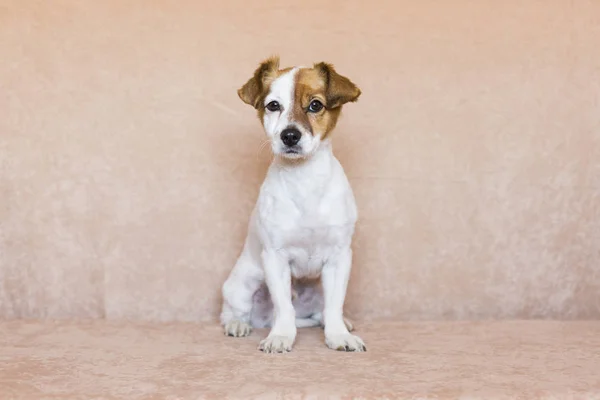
x=262 y=147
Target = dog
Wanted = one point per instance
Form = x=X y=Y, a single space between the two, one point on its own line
x=302 y=226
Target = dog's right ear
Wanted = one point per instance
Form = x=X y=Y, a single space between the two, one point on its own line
x=252 y=91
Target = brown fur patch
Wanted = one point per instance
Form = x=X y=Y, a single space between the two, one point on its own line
x=340 y=90
x=256 y=88
x=321 y=83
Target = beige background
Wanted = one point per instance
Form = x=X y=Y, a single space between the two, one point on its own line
x=129 y=166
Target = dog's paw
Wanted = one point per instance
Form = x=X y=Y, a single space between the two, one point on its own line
x=345 y=342
x=276 y=344
x=237 y=329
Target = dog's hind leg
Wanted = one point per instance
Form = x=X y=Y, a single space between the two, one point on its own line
x=307 y=322
x=308 y=301
x=238 y=290
x=318 y=317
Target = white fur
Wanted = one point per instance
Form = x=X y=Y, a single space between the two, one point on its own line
x=301 y=227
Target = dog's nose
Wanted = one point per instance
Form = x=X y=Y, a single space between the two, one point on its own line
x=290 y=136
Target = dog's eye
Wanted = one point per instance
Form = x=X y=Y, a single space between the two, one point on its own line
x=273 y=106
x=315 y=106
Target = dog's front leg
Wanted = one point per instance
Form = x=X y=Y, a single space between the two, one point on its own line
x=278 y=279
x=335 y=275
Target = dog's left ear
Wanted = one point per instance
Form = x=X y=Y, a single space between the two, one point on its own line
x=340 y=90
x=252 y=90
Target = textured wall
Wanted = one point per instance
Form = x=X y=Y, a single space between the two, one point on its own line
x=129 y=166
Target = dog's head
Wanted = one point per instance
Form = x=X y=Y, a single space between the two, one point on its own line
x=299 y=107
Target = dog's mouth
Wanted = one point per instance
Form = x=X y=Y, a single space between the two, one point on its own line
x=292 y=151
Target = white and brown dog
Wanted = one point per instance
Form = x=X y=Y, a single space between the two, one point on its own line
x=303 y=222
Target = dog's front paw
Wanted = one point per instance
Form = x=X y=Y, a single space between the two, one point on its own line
x=345 y=342
x=237 y=329
x=276 y=344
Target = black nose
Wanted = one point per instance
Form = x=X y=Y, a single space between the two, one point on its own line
x=290 y=136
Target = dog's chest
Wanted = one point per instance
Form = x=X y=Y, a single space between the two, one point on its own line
x=308 y=253
x=307 y=212
x=308 y=232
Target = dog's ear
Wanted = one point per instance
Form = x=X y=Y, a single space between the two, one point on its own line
x=340 y=90
x=252 y=90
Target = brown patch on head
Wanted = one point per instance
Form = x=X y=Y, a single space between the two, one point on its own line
x=323 y=84
x=256 y=89
x=320 y=83
x=340 y=90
